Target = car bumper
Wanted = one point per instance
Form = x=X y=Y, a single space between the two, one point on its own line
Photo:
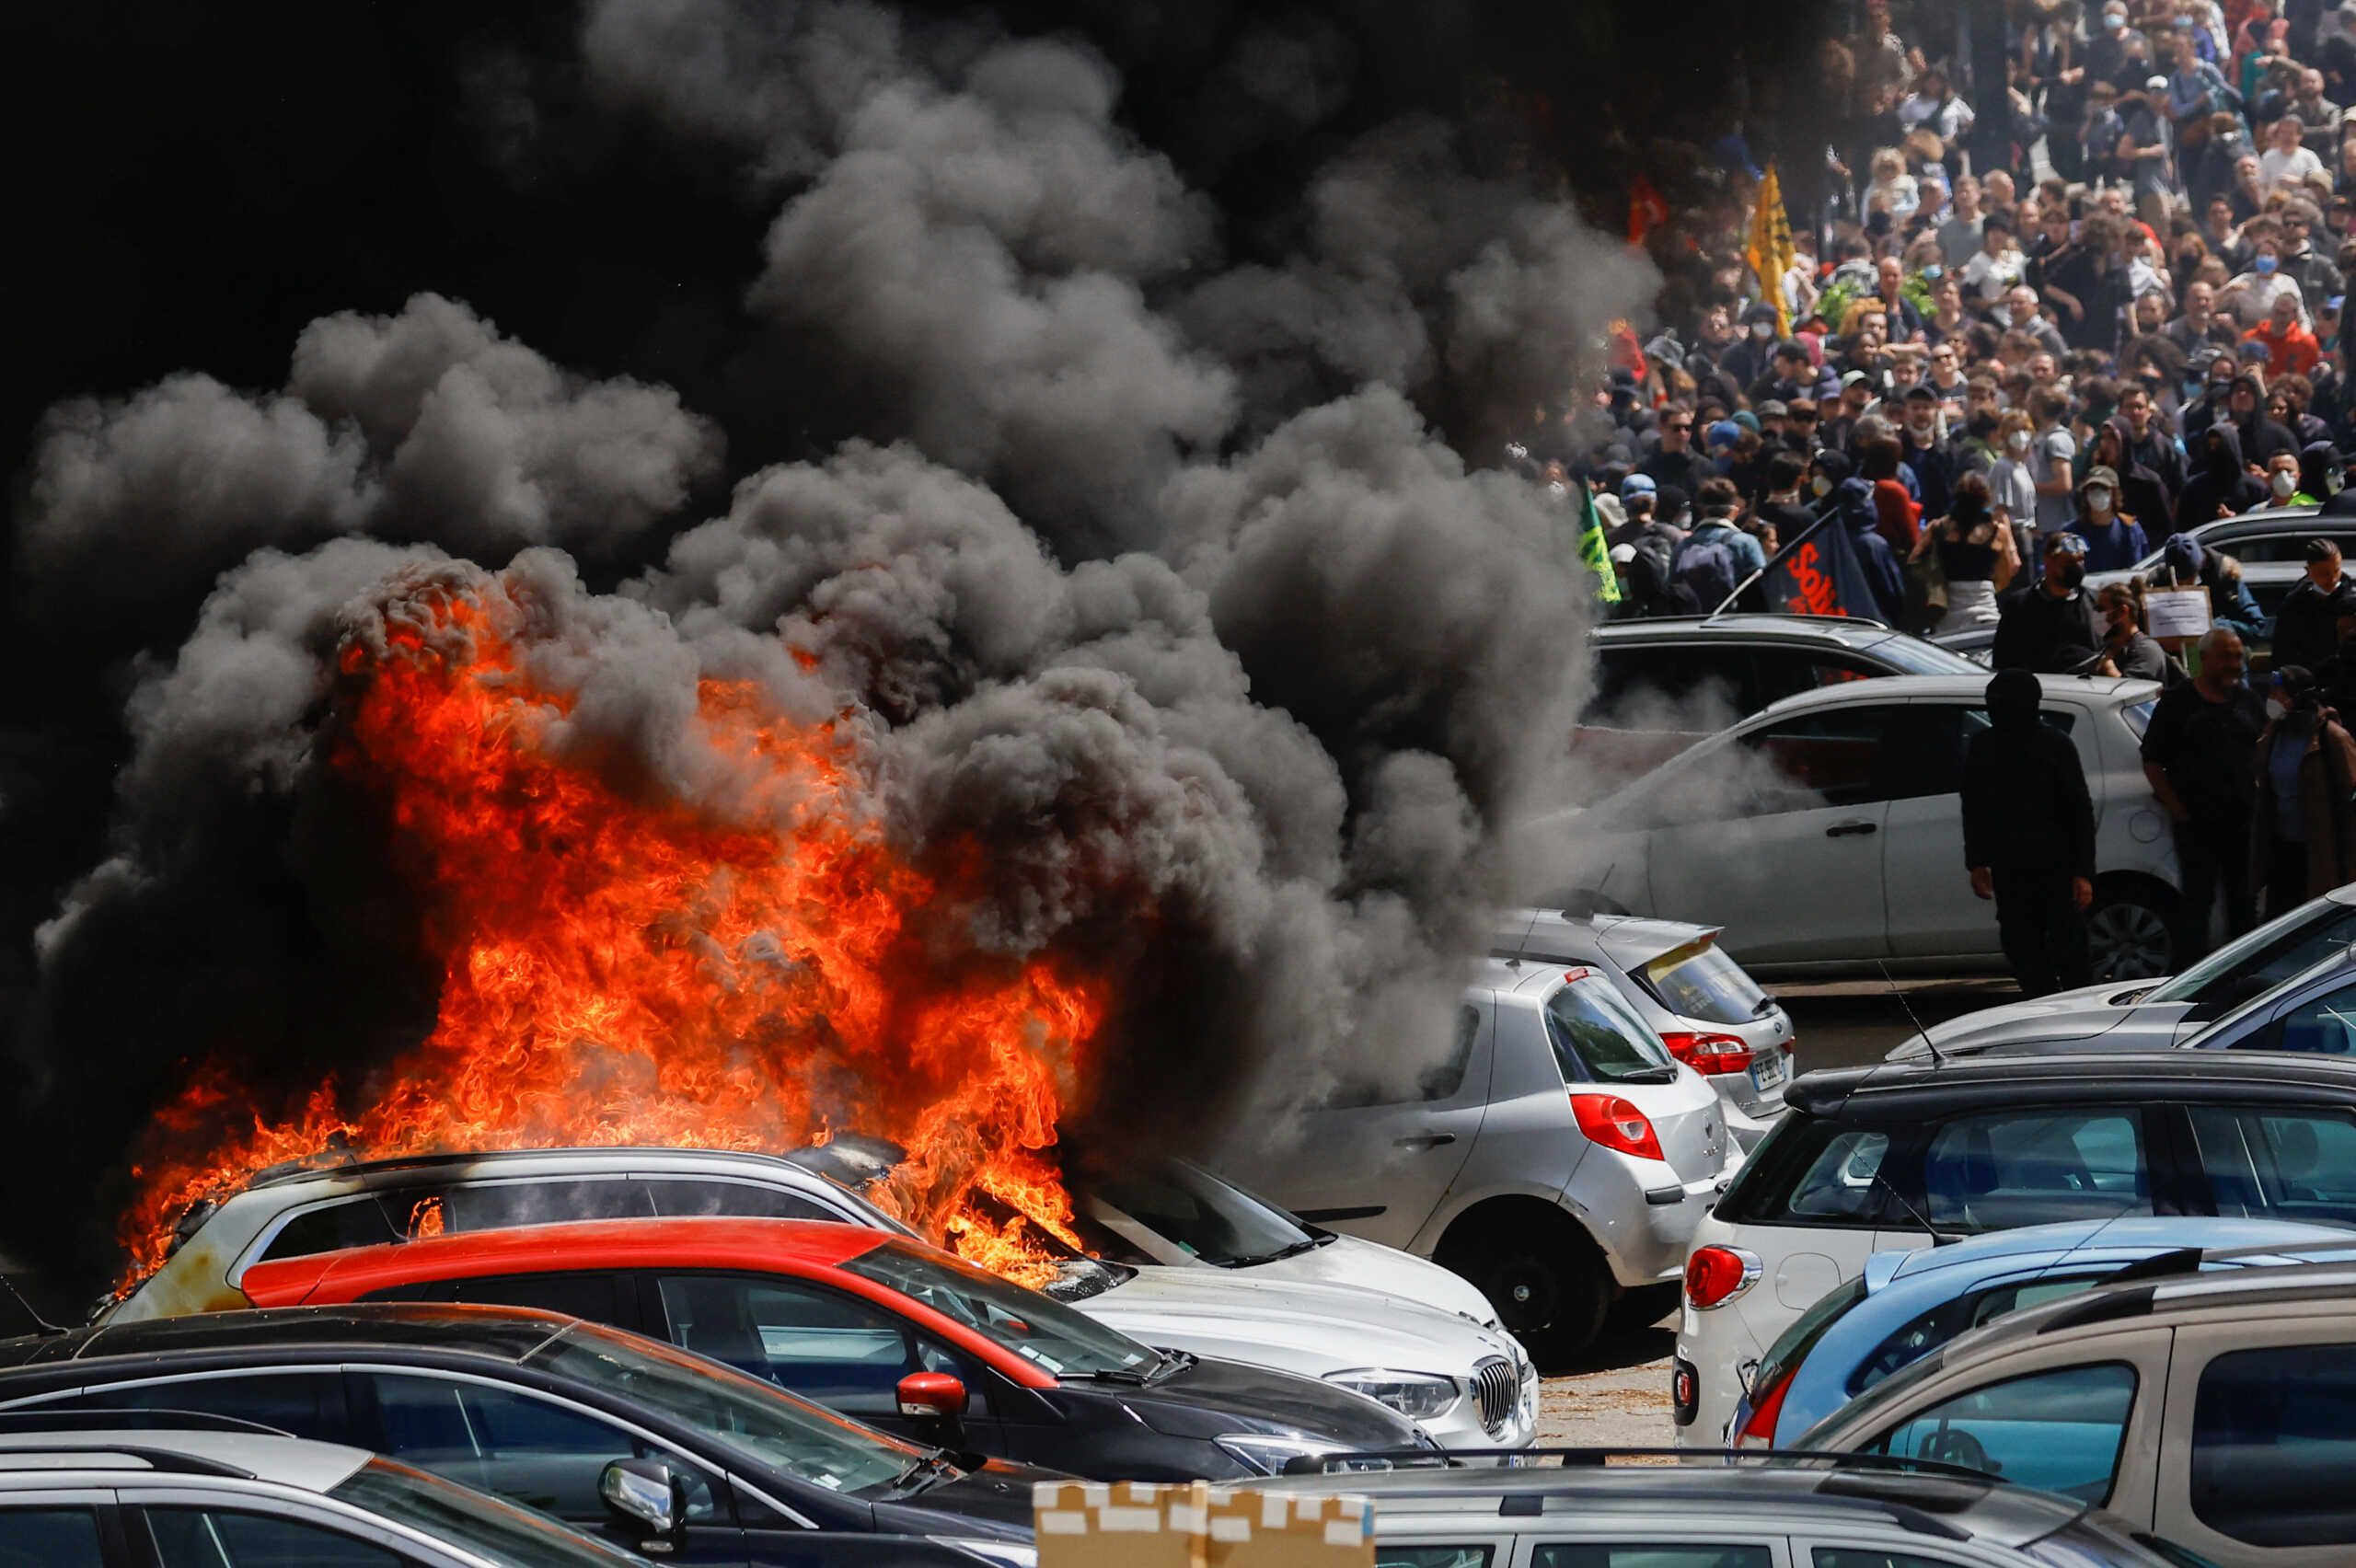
x=1721 y=1350
x=1648 y=1226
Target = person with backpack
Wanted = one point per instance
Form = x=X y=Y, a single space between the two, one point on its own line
x=1861 y=522
x=1716 y=557
x=2299 y=840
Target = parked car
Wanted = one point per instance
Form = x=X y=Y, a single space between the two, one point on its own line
x=1301 y=1326
x=2270 y=544
x=1825 y=835
x=1906 y=1305
x=1662 y=684
x=899 y=1335
x=1789 y=1514
x=1558 y=1157
x=533 y=1407
x=1710 y=1015
x=217 y=1498
x=1897 y=1156
x=2216 y=1408
x=2145 y=1017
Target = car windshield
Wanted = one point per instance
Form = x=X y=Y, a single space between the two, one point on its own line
x=1701 y=982
x=2230 y=1024
x=1203 y=1216
x=758 y=1420
x=1788 y=1352
x=2272 y=953
x=496 y=1531
x=1912 y=656
x=1597 y=1038
x=1044 y=1332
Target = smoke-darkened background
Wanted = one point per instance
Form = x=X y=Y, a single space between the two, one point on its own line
x=1199 y=325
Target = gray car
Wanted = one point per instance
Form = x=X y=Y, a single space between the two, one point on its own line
x=2150 y=1015
x=1711 y=1014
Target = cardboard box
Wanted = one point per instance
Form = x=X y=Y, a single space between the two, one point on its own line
x=1196 y=1524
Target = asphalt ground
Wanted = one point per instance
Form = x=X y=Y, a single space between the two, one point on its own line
x=1618 y=1395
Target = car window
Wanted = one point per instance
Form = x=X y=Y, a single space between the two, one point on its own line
x=1702 y=982
x=514 y=1444
x=1787 y=672
x=301 y=1405
x=374 y=1218
x=2015 y=1167
x=1832 y=757
x=2325 y=1025
x=332 y=1227
x=1809 y=1171
x=1648 y=1554
x=1441 y=1080
x=2060 y=1431
x=2274 y=1445
x=49 y=1538
x=1387 y=1556
x=2279 y=1164
x=681 y=1196
x=1597 y=1038
x=2257 y=963
x=824 y=1344
x=595 y=1296
x=1672 y=687
x=1969 y=1309
x=1204 y=1217
x=221 y=1538
x=1863 y=1557
x=2253 y=548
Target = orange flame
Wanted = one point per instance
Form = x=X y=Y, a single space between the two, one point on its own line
x=622 y=968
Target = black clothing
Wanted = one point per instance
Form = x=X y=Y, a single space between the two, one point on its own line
x=2159 y=454
x=2209 y=855
x=2306 y=629
x=2218 y=479
x=2262 y=438
x=1684 y=469
x=2205 y=748
x=2038 y=632
x=2043 y=935
x=1934 y=471
x=2024 y=800
x=2286 y=876
x=1961 y=560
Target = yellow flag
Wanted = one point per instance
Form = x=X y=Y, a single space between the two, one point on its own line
x=1770 y=252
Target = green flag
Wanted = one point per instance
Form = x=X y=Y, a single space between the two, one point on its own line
x=1594 y=550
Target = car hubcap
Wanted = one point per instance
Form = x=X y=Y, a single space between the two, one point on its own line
x=2130 y=941
x=1525 y=1294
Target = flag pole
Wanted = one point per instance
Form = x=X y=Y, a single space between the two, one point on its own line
x=1831 y=510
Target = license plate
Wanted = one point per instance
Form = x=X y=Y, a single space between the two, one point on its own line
x=1767 y=1069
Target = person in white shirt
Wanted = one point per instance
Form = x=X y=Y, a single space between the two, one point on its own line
x=1998 y=263
x=2250 y=297
x=1959 y=235
x=2287 y=160
x=1892 y=188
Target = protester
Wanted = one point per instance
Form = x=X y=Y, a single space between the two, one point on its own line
x=2198 y=754
x=2318 y=614
x=2301 y=842
x=2126 y=641
x=2114 y=541
x=2028 y=836
x=1975 y=557
x=2049 y=626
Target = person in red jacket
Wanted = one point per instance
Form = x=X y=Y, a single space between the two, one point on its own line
x=1898 y=515
x=2291 y=348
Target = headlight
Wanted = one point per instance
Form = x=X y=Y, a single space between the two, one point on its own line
x=1266 y=1452
x=1419 y=1396
x=1005 y=1554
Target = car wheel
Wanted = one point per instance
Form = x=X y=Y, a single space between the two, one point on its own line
x=2128 y=934
x=1549 y=1284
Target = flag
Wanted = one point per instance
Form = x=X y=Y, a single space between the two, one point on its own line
x=1818 y=575
x=1595 y=550
x=1770 y=249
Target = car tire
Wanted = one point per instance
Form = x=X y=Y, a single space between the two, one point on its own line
x=2131 y=930
x=1547 y=1280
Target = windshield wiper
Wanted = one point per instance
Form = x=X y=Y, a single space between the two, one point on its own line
x=926 y=1473
x=1649 y=1075
x=1167 y=1362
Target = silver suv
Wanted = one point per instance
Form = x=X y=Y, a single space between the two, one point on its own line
x=1557 y=1158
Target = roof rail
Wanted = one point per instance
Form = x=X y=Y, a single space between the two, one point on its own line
x=1344 y=1461
x=2100 y=1307
x=37 y=1420
x=2159 y=1266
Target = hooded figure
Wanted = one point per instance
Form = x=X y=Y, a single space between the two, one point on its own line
x=2301 y=845
x=2318 y=462
x=2028 y=836
x=1861 y=522
x=2143 y=493
x=2221 y=486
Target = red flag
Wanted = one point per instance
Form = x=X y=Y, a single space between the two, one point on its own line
x=1647 y=210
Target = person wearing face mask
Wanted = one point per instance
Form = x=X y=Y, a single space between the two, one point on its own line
x=2282 y=479
x=2050 y=627
x=2011 y=479
x=2198 y=750
x=2306 y=627
x=1977 y=558
x=2301 y=845
x=2250 y=297
x=2114 y=540
x=2113 y=42
x=2131 y=648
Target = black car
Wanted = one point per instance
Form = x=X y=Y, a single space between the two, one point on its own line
x=534 y=1406
x=1991 y=1143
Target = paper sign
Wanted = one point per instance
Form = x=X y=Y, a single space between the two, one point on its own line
x=2177 y=612
x=1132 y=1525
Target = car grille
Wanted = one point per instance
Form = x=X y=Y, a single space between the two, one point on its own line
x=1497 y=1389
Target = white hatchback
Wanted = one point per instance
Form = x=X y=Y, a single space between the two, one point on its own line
x=1825 y=835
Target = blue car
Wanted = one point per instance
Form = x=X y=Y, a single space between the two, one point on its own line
x=1907 y=1304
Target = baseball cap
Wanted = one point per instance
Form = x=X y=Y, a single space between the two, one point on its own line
x=2156 y=85
x=2101 y=474
x=1725 y=432
x=1622 y=554
x=1638 y=484
x=1854 y=379
x=1773 y=409
x=1922 y=392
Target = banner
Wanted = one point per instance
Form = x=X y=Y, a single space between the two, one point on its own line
x=1819 y=575
x=1769 y=251
x=1594 y=549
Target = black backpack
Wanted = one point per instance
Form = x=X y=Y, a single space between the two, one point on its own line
x=1707 y=568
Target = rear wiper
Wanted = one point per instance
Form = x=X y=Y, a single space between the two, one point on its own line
x=1649 y=1075
x=1766 y=1006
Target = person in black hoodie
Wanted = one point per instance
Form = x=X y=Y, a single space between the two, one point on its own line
x=2029 y=837
x=2049 y=626
x=1863 y=525
x=2220 y=485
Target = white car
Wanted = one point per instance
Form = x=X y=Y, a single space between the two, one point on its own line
x=1824 y=836
x=1710 y=1015
x=1469 y=1385
x=1558 y=1157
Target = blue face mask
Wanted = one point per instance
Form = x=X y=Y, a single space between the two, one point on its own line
x=2263 y=266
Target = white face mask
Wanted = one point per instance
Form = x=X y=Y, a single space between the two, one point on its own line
x=2285 y=483
x=1763 y=328
x=2276 y=711
x=2098 y=498
x=2017 y=441
x=1820 y=485
x=2114 y=22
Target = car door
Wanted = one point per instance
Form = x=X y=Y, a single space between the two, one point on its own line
x=1376 y=1158
x=2292 y=1162
x=2259 y=1465
x=1789 y=858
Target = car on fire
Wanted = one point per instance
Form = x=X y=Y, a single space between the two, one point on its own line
x=1824 y=836
x=1558 y=1157
x=902 y=1336
x=1448 y=1367
x=534 y=1407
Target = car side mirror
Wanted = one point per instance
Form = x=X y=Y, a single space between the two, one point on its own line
x=935 y=1402
x=644 y=1496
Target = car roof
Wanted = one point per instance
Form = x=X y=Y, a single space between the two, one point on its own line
x=2078 y=1239
x=2246 y=1292
x=370 y=1175
x=286 y=1461
x=1988 y=1509
x=1847 y=631
x=1900 y=1091
x=2117 y=690
x=503 y=1334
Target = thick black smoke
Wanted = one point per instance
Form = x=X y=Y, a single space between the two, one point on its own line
x=1110 y=476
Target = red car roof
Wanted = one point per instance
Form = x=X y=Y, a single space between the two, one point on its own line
x=806 y=1248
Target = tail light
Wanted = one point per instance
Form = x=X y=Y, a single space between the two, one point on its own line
x=1766 y=1408
x=1709 y=1054
x=1615 y=1123
x=1716 y=1276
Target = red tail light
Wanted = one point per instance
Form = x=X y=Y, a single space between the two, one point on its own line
x=1615 y=1122
x=1766 y=1407
x=1716 y=1276
x=1709 y=1054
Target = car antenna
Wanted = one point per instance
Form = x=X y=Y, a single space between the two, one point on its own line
x=1523 y=946
x=18 y=1298
x=1936 y=1060
x=1938 y=1238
